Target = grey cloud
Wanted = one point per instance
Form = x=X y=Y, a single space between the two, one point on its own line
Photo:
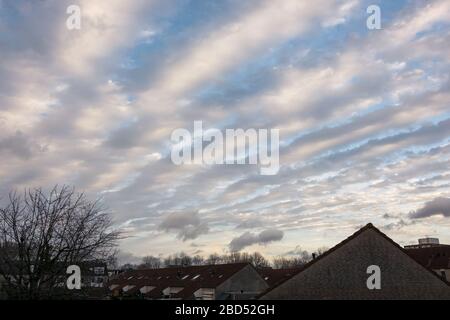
x=127 y=136
x=437 y=206
x=19 y=144
x=124 y=257
x=187 y=225
x=301 y=201
x=297 y=251
x=248 y=239
x=388 y=216
x=244 y=240
x=270 y=235
x=249 y=224
x=398 y=225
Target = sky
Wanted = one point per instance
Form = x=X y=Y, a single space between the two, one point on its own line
x=363 y=116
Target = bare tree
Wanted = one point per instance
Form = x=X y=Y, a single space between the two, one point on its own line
x=178 y=259
x=213 y=258
x=287 y=263
x=41 y=234
x=255 y=258
x=300 y=258
x=259 y=261
x=150 y=262
x=198 y=260
x=320 y=251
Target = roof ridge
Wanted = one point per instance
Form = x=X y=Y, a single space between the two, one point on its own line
x=342 y=243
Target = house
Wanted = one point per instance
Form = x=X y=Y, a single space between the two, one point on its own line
x=432 y=255
x=94 y=277
x=94 y=274
x=275 y=276
x=210 y=282
x=351 y=268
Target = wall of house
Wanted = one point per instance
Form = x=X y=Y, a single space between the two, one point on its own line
x=248 y=280
x=343 y=274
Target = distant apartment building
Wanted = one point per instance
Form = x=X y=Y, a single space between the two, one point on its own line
x=432 y=255
x=94 y=274
x=233 y=281
x=94 y=277
x=347 y=270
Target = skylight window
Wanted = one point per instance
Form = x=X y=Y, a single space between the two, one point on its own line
x=195 y=277
x=128 y=287
x=146 y=289
x=186 y=276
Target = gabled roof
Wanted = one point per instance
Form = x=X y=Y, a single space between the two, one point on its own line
x=189 y=278
x=275 y=276
x=369 y=226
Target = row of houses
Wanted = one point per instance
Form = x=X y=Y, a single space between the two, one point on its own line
x=222 y=282
x=94 y=278
x=343 y=272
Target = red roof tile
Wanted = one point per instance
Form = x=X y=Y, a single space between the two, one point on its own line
x=190 y=278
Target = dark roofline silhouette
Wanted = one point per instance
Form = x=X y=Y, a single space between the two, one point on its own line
x=342 y=243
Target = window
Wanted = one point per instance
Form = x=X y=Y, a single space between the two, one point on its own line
x=146 y=289
x=98 y=280
x=195 y=277
x=99 y=270
x=128 y=287
x=167 y=292
x=204 y=294
x=186 y=276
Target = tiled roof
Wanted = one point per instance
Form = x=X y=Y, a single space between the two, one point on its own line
x=274 y=276
x=342 y=243
x=189 y=278
x=435 y=257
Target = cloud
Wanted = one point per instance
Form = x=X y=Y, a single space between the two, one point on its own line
x=249 y=224
x=19 y=145
x=187 y=225
x=363 y=116
x=297 y=251
x=248 y=239
x=125 y=257
x=437 y=206
x=398 y=225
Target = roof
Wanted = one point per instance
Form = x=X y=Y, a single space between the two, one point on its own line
x=433 y=257
x=275 y=276
x=369 y=226
x=189 y=278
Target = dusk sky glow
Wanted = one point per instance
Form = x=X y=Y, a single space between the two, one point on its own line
x=363 y=117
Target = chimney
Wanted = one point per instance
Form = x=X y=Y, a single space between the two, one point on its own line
x=425 y=241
